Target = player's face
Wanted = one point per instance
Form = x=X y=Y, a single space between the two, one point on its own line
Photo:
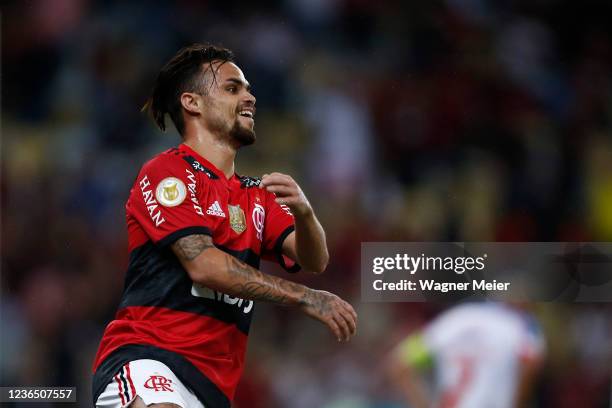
x=229 y=106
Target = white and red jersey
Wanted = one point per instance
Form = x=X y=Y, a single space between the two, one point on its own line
x=477 y=350
x=199 y=333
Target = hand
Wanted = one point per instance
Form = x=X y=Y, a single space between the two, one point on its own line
x=287 y=192
x=338 y=315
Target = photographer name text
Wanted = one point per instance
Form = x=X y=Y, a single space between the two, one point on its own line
x=413 y=264
x=444 y=287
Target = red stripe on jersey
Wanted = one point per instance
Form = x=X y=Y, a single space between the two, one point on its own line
x=129 y=378
x=120 y=389
x=184 y=333
x=136 y=235
x=452 y=396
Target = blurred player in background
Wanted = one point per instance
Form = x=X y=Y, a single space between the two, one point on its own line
x=484 y=355
x=197 y=231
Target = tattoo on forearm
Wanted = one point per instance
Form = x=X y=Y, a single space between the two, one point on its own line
x=253 y=284
x=260 y=286
x=318 y=301
x=189 y=247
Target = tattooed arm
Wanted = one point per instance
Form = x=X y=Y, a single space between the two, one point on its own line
x=217 y=270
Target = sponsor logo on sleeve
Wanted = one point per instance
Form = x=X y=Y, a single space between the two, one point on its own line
x=149 y=200
x=258 y=217
x=170 y=192
x=191 y=186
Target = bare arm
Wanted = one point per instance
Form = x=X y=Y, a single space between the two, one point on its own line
x=403 y=367
x=307 y=244
x=217 y=270
x=528 y=373
x=409 y=383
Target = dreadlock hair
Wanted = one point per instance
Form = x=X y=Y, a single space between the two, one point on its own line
x=183 y=73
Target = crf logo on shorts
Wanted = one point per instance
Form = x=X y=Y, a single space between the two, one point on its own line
x=152 y=381
x=159 y=383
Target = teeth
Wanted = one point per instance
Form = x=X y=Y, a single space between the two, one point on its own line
x=246 y=113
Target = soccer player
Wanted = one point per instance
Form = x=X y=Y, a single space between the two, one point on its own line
x=484 y=355
x=196 y=232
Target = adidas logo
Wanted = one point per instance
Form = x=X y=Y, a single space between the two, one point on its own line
x=215 y=209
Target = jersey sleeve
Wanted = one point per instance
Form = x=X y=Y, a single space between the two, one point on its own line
x=279 y=223
x=165 y=201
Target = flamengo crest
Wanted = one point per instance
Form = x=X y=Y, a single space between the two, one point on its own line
x=259 y=217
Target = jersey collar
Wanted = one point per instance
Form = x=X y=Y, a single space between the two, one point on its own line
x=206 y=163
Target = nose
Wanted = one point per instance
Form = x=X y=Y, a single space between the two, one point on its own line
x=251 y=98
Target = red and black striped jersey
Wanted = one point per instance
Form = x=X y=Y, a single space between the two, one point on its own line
x=199 y=333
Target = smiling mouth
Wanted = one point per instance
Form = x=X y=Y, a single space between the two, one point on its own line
x=246 y=114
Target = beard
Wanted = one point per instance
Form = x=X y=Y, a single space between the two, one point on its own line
x=241 y=134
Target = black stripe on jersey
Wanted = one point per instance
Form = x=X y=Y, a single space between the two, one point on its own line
x=125 y=384
x=156 y=278
x=197 y=166
x=206 y=391
x=247 y=256
x=169 y=239
x=278 y=250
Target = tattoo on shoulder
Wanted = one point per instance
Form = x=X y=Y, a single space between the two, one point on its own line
x=189 y=247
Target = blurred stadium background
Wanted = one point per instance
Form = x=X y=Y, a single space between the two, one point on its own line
x=433 y=120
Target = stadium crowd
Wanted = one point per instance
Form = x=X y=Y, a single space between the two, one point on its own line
x=454 y=120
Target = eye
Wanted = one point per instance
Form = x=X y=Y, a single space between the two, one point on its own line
x=232 y=89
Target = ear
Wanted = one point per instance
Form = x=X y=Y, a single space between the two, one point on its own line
x=191 y=102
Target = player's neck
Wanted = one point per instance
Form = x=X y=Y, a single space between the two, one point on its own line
x=215 y=151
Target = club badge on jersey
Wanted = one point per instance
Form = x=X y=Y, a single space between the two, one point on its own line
x=237 y=219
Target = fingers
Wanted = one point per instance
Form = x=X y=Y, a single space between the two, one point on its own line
x=281 y=190
x=345 y=331
x=351 y=319
x=274 y=179
x=285 y=189
x=264 y=177
x=333 y=326
x=287 y=192
x=288 y=201
x=350 y=309
x=334 y=312
x=346 y=320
